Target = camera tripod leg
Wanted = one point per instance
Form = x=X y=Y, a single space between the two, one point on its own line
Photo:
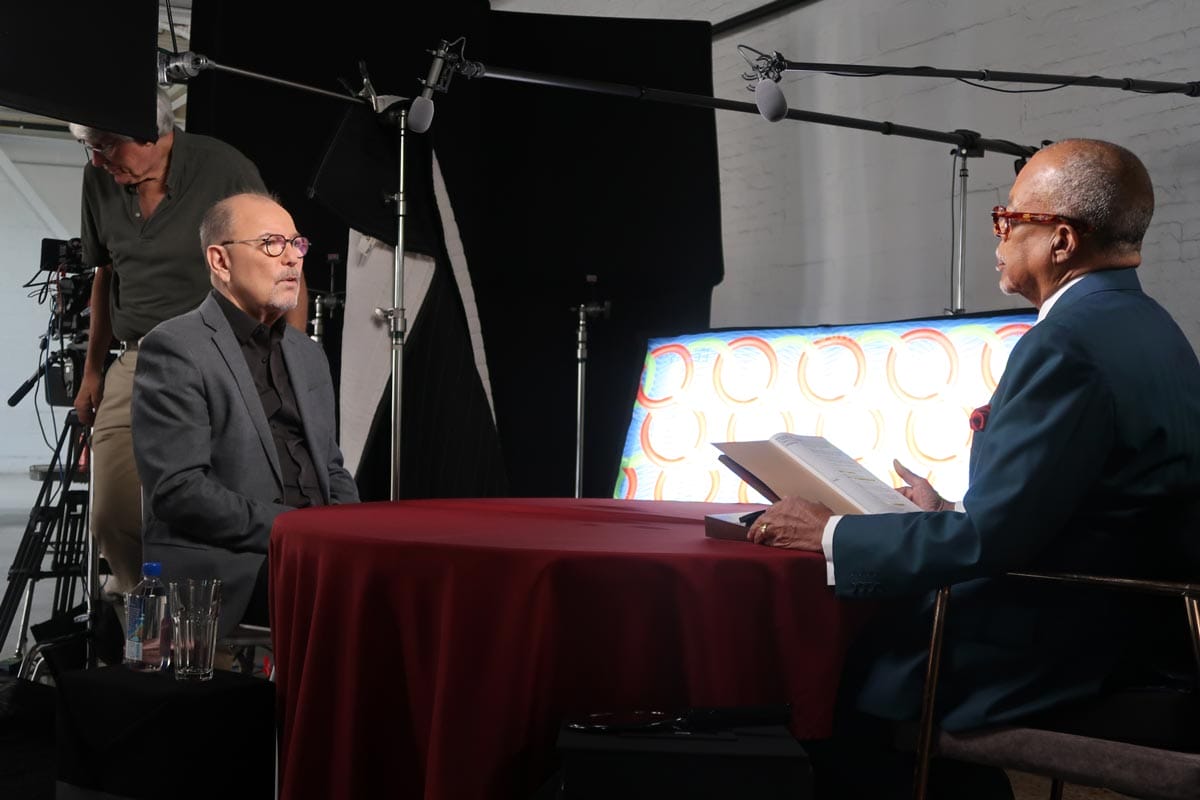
x=56 y=521
x=26 y=608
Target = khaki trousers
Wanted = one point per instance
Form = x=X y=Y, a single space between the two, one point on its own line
x=116 y=516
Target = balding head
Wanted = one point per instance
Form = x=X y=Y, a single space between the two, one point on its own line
x=255 y=256
x=219 y=221
x=1100 y=184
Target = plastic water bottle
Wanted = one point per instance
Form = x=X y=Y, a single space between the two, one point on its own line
x=148 y=622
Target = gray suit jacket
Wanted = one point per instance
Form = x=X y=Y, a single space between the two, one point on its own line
x=211 y=480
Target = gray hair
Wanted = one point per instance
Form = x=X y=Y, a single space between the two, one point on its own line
x=1106 y=187
x=165 y=121
x=217 y=225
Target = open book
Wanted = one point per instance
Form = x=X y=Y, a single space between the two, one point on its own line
x=812 y=468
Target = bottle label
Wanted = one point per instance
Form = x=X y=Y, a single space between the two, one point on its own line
x=135 y=616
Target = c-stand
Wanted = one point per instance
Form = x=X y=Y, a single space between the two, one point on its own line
x=58 y=526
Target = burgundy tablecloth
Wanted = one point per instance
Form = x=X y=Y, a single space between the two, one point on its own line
x=432 y=648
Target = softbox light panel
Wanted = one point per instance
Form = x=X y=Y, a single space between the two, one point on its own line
x=878 y=391
x=359 y=172
x=84 y=62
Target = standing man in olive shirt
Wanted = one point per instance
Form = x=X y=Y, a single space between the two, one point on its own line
x=139 y=231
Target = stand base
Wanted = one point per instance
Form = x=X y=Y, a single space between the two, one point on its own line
x=762 y=762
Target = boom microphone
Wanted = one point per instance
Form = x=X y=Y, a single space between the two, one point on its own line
x=770 y=100
x=420 y=115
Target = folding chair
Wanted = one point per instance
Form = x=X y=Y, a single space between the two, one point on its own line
x=1158 y=773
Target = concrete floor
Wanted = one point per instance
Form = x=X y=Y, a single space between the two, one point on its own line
x=1035 y=787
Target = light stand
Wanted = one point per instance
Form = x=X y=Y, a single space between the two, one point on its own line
x=958 y=281
x=325 y=303
x=958 y=274
x=585 y=311
x=397 y=322
x=181 y=67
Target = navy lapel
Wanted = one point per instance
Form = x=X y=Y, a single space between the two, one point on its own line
x=1104 y=280
x=294 y=360
x=227 y=345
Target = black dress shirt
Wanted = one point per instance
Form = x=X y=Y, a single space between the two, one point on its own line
x=264 y=356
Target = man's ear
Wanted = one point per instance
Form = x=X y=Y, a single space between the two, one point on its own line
x=218 y=262
x=1064 y=245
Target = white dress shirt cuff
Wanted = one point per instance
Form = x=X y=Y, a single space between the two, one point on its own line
x=827 y=547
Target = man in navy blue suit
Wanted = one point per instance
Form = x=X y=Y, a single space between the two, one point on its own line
x=1088 y=460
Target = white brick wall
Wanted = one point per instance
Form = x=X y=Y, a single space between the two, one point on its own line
x=825 y=224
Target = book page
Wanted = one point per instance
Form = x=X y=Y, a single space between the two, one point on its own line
x=812 y=468
x=854 y=481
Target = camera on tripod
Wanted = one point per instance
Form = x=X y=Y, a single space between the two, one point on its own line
x=58 y=522
x=64 y=282
x=69 y=317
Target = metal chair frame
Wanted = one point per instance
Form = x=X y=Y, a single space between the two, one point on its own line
x=244 y=640
x=1188 y=592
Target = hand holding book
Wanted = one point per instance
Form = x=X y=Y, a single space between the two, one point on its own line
x=920 y=491
x=793 y=523
x=798 y=524
x=812 y=480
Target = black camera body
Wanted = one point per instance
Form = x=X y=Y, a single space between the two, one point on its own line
x=64 y=281
x=70 y=308
x=62 y=255
x=69 y=287
x=63 y=371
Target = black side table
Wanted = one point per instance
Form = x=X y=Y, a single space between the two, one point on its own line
x=144 y=736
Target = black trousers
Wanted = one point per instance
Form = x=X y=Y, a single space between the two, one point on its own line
x=259 y=610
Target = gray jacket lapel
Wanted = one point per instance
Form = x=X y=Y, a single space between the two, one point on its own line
x=294 y=360
x=231 y=352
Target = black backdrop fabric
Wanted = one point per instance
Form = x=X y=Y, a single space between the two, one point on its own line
x=548 y=186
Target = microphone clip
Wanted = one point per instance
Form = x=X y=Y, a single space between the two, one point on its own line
x=441 y=83
x=763 y=66
x=367 y=92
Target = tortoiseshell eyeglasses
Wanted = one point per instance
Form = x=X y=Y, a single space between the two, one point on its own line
x=1003 y=220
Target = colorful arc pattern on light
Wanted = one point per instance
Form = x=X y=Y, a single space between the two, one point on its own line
x=900 y=390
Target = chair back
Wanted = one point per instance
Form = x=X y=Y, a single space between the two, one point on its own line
x=1002 y=747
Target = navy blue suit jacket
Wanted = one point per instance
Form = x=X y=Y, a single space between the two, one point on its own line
x=1089 y=461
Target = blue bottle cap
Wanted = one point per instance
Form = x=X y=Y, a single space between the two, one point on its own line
x=152 y=569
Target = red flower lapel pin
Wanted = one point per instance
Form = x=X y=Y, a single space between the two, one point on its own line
x=979 y=417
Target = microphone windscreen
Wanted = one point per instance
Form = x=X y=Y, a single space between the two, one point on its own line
x=420 y=115
x=770 y=101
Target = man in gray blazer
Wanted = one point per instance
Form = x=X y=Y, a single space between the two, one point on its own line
x=233 y=412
